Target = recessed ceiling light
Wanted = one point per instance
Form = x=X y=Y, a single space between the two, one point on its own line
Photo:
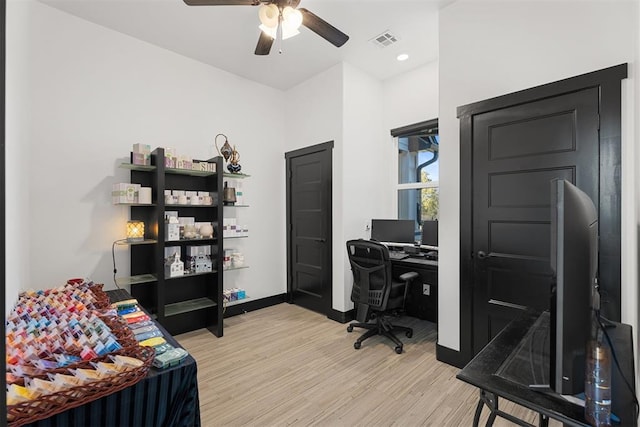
x=402 y=57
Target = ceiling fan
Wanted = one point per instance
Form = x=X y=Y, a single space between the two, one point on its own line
x=280 y=20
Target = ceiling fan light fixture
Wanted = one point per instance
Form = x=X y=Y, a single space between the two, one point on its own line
x=291 y=17
x=269 y=14
x=272 y=32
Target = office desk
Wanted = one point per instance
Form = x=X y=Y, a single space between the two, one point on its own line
x=491 y=375
x=419 y=304
x=167 y=397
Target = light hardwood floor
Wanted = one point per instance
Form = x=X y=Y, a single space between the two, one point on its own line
x=287 y=366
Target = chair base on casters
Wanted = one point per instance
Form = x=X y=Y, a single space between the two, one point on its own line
x=382 y=326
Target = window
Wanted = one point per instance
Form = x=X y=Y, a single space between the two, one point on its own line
x=418 y=172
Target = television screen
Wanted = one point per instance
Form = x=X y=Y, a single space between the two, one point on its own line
x=574 y=261
x=430 y=233
x=393 y=230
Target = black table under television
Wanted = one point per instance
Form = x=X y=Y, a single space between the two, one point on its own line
x=509 y=364
x=167 y=397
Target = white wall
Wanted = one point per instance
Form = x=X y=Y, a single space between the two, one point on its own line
x=79 y=96
x=491 y=48
x=313 y=114
x=411 y=97
x=368 y=160
x=16 y=153
x=357 y=112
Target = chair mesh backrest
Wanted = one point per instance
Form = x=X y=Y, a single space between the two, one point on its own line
x=371 y=270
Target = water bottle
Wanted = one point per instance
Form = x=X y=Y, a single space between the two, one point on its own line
x=597 y=389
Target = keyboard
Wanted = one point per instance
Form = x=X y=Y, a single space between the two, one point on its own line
x=397 y=255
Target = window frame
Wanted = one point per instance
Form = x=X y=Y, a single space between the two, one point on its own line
x=429 y=127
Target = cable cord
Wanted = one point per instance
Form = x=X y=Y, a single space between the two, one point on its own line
x=615 y=360
x=113 y=257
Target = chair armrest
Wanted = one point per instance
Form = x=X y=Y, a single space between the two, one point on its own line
x=409 y=276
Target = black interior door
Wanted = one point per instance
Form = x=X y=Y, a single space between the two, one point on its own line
x=515 y=142
x=517 y=151
x=309 y=227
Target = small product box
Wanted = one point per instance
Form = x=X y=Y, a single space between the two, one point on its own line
x=226 y=259
x=229 y=227
x=171 y=226
x=190 y=261
x=171 y=231
x=144 y=195
x=184 y=162
x=142 y=148
x=241 y=293
x=203 y=266
x=170 y=214
x=170 y=158
x=191 y=195
x=239 y=193
x=184 y=220
x=125 y=193
x=141 y=159
x=199 y=259
x=173 y=266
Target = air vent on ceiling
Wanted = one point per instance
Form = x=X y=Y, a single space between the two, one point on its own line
x=384 y=39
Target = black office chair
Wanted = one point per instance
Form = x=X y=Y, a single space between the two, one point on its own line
x=376 y=292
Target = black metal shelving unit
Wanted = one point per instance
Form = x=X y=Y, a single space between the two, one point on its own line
x=188 y=302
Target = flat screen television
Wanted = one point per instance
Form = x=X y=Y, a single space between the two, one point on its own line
x=393 y=230
x=430 y=233
x=574 y=261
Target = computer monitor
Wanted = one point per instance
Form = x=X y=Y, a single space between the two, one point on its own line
x=393 y=230
x=430 y=233
x=574 y=261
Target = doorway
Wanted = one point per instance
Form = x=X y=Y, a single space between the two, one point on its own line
x=510 y=149
x=309 y=227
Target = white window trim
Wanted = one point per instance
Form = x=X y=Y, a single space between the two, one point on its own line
x=417 y=185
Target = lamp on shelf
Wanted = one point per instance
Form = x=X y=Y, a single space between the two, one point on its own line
x=135 y=231
x=272 y=18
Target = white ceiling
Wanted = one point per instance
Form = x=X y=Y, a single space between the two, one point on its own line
x=225 y=36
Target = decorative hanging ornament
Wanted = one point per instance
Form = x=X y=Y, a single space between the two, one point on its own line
x=226 y=149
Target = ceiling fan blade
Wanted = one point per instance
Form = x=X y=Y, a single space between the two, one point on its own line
x=264 y=44
x=323 y=28
x=222 y=2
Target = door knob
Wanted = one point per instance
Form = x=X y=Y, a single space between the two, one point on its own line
x=482 y=255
